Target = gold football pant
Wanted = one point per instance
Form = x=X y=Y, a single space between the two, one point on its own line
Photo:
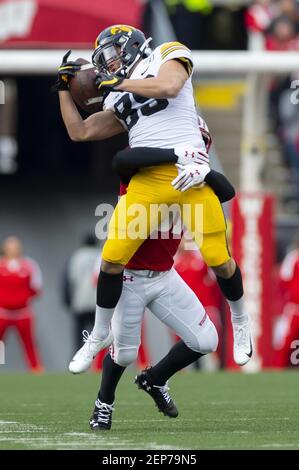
x=136 y=216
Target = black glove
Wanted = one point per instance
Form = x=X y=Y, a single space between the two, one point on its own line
x=65 y=71
x=107 y=82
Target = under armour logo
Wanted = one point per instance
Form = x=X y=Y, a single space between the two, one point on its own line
x=128 y=278
x=192 y=154
x=146 y=386
x=192 y=174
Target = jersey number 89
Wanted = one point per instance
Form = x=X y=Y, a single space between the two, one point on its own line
x=125 y=112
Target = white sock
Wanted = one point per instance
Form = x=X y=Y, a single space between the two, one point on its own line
x=102 y=322
x=237 y=311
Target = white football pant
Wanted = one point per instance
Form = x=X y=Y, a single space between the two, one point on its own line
x=170 y=299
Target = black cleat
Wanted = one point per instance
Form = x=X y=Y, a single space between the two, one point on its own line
x=101 y=418
x=159 y=394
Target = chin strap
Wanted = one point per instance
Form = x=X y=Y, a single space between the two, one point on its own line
x=144 y=52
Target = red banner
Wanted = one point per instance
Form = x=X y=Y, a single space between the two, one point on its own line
x=253 y=248
x=62 y=23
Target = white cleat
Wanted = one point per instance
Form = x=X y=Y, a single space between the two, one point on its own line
x=83 y=358
x=242 y=343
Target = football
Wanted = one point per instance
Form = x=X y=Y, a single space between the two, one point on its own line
x=83 y=88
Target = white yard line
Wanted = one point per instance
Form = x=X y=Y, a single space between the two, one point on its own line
x=4 y=423
x=274 y=444
x=96 y=442
x=10 y=433
x=14 y=426
x=155 y=446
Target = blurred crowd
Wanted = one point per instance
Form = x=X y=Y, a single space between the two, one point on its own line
x=277 y=20
x=20 y=283
x=274 y=25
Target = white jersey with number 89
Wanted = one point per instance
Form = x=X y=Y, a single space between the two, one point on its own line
x=159 y=123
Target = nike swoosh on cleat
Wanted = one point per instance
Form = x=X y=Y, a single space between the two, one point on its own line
x=251 y=350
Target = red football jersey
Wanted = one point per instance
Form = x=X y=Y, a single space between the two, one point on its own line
x=20 y=280
x=155 y=254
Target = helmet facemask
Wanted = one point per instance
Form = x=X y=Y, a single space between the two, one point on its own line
x=119 y=48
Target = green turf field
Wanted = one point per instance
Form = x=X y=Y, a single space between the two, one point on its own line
x=217 y=411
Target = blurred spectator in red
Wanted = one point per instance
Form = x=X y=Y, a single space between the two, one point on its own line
x=283 y=35
x=259 y=16
x=273 y=25
x=193 y=270
x=287 y=327
x=20 y=282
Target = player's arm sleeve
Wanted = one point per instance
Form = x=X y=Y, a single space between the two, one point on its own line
x=223 y=189
x=177 y=51
x=141 y=157
x=130 y=160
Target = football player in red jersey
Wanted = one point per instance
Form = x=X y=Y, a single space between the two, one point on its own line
x=151 y=281
x=20 y=282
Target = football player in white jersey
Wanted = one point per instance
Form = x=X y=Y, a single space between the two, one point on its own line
x=151 y=97
x=150 y=281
